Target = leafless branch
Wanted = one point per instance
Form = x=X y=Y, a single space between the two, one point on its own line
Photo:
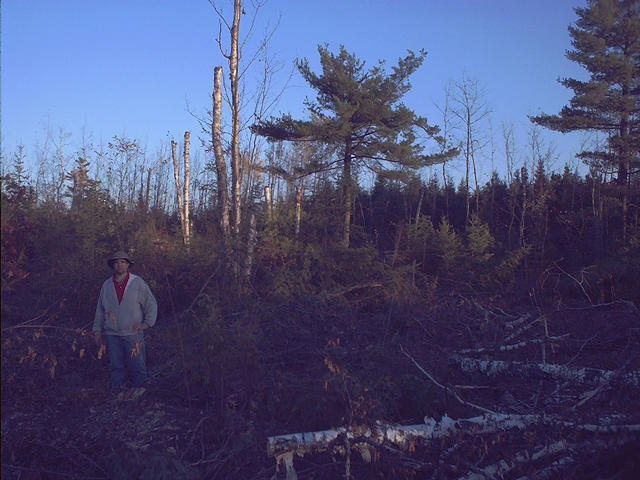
x=439 y=385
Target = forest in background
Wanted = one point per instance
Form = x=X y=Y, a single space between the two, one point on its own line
x=271 y=323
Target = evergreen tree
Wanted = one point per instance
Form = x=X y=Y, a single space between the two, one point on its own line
x=606 y=42
x=359 y=112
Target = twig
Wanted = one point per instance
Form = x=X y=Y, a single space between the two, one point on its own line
x=215 y=458
x=24 y=324
x=589 y=395
x=193 y=435
x=570 y=361
x=54 y=327
x=627 y=303
x=580 y=282
x=50 y=472
x=522 y=329
x=518 y=321
x=181 y=342
x=355 y=287
x=90 y=460
x=444 y=387
x=202 y=289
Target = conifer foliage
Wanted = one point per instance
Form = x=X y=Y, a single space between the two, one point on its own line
x=359 y=112
x=606 y=43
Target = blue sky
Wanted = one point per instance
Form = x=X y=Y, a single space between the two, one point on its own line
x=101 y=68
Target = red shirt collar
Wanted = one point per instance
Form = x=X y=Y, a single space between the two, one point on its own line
x=120 y=287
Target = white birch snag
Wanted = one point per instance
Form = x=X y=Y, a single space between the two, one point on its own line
x=269 y=202
x=187 y=182
x=236 y=178
x=176 y=177
x=251 y=246
x=221 y=164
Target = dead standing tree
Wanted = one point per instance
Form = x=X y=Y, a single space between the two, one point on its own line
x=231 y=211
x=183 y=190
x=233 y=57
x=221 y=167
x=470 y=109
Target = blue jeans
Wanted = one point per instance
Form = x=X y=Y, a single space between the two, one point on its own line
x=127 y=352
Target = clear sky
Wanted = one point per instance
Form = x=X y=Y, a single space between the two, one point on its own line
x=130 y=67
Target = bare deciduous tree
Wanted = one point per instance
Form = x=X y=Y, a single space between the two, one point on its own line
x=471 y=110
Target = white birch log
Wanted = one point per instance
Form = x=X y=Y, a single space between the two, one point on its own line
x=404 y=436
x=585 y=375
x=512 y=346
x=553 y=470
x=522 y=319
x=503 y=467
x=522 y=329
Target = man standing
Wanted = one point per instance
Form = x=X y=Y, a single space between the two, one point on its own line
x=126 y=307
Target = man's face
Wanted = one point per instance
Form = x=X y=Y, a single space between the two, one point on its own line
x=121 y=266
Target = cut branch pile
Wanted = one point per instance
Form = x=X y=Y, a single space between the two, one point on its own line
x=558 y=395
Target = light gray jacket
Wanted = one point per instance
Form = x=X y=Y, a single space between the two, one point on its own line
x=138 y=306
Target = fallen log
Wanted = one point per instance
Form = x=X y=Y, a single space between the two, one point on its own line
x=512 y=346
x=503 y=467
x=584 y=375
x=364 y=439
x=559 y=454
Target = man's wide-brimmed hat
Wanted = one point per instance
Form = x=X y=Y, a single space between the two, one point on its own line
x=116 y=256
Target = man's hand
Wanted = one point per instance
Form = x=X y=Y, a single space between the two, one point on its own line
x=141 y=326
x=97 y=336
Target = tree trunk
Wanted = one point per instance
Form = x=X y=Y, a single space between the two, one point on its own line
x=187 y=181
x=221 y=166
x=147 y=190
x=369 y=440
x=624 y=169
x=419 y=209
x=476 y=192
x=467 y=156
x=176 y=177
x=298 y=209
x=268 y=199
x=523 y=213
x=348 y=194
x=251 y=246
x=235 y=107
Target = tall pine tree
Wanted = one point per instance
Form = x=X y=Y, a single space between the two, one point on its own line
x=606 y=42
x=358 y=111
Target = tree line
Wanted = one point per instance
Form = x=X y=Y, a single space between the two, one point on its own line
x=306 y=184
